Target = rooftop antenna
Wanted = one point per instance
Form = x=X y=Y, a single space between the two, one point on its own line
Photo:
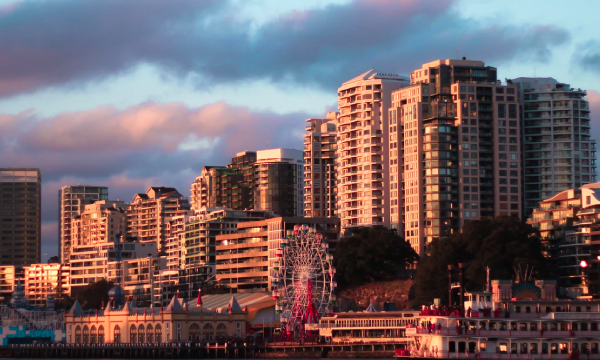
x=487 y=279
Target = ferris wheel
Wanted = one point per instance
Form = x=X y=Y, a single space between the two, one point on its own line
x=303 y=283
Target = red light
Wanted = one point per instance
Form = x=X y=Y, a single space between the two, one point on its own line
x=583 y=264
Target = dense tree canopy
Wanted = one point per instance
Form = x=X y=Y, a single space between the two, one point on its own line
x=371 y=254
x=501 y=244
x=92 y=295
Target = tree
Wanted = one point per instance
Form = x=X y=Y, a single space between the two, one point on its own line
x=54 y=260
x=92 y=295
x=501 y=244
x=371 y=254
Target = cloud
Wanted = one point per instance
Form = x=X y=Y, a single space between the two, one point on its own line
x=205 y=40
x=588 y=56
x=147 y=145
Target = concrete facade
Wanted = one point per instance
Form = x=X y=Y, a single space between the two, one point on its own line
x=20 y=216
x=148 y=213
x=454 y=150
x=71 y=203
x=363 y=147
x=279 y=181
x=559 y=153
x=320 y=182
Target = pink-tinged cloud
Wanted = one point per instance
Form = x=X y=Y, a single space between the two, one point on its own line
x=90 y=40
x=147 y=145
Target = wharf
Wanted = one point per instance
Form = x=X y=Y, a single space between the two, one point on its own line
x=200 y=351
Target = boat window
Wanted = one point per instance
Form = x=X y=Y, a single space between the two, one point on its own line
x=517 y=309
x=472 y=347
x=461 y=347
x=594 y=327
x=575 y=326
x=584 y=327
x=482 y=346
x=554 y=348
x=523 y=348
x=503 y=348
x=533 y=348
x=564 y=348
x=528 y=309
x=493 y=326
x=503 y=326
x=548 y=309
x=482 y=325
x=578 y=309
x=585 y=348
x=544 y=327
x=452 y=346
x=564 y=326
x=523 y=326
x=588 y=309
x=553 y=327
x=513 y=326
x=544 y=348
x=533 y=327
x=513 y=348
x=594 y=348
x=558 y=309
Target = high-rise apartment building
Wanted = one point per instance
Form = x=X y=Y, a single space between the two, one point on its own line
x=320 y=185
x=20 y=216
x=230 y=186
x=148 y=213
x=559 y=153
x=454 y=150
x=279 y=181
x=363 y=147
x=71 y=203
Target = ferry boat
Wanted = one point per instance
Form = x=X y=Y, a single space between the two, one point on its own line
x=513 y=321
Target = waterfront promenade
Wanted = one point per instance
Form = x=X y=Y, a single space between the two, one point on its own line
x=201 y=351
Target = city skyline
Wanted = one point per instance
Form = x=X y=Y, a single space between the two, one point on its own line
x=96 y=107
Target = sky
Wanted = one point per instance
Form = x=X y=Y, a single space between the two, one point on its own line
x=140 y=93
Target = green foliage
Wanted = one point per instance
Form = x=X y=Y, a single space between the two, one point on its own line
x=371 y=254
x=91 y=296
x=54 y=260
x=501 y=244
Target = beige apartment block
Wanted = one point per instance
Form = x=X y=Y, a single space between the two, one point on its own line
x=148 y=213
x=454 y=150
x=71 y=203
x=363 y=147
x=42 y=280
x=7 y=280
x=320 y=185
x=93 y=234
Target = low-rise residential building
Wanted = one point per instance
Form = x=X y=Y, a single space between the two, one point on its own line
x=7 y=280
x=44 y=280
x=569 y=224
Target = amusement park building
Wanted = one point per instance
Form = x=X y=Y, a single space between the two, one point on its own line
x=177 y=322
x=245 y=258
